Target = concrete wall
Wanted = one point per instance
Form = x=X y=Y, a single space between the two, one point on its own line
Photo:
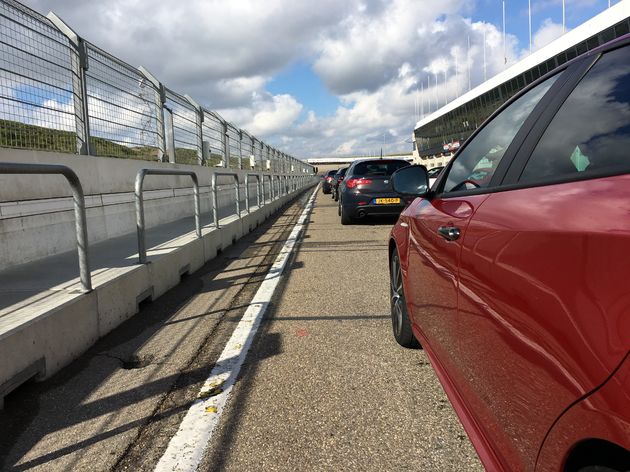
x=36 y=211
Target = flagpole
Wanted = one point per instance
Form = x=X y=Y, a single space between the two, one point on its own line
x=485 y=70
x=468 y=62
x=456 y=76
x=437 y=99
x=445 y=88
x=563 y=18
x=504 y=50
x=529 y=5
x=422 y=99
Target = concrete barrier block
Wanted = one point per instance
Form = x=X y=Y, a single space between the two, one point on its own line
x=196 y=255
x=59 y=336
x=231 y=230
x=118 y=297
x=165 y=271
x=211 y=244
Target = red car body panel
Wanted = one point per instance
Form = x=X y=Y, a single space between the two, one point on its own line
x=543 y=297
x=602 y=415
x=526 y=313
x=432 y=295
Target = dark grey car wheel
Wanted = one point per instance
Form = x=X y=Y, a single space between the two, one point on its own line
x=401 y=325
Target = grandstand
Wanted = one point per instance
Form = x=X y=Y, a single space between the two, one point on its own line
x=437 y=136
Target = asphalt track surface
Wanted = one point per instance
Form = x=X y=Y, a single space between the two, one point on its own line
x=324 y=387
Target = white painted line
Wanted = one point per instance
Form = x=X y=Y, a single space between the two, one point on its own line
x=186 y=448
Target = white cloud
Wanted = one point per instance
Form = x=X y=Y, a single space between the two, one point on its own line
x=369 y=48
x=375 y=55
x=389 y=107
x=268 y=115
x=547 y=32
x=347 y=147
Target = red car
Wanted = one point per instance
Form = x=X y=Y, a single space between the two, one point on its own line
x=513 y=272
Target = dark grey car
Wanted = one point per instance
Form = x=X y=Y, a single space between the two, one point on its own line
x=337 y=179
x=327 y=183
x=367 y=190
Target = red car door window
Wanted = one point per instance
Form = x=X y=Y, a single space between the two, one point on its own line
x=590 y=134
x=476 y=163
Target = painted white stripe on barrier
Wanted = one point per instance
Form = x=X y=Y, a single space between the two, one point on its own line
x=186 y=448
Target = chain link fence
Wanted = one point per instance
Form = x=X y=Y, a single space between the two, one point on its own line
x=123 y=109
x=36 y=82
x=258 y=156
x=214 y=136
x=186 y=124
x=234 y=146
x=61 y=93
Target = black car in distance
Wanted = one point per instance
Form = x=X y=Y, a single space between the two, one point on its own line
x=328 y=179
x=367 y=190
x=337 y=180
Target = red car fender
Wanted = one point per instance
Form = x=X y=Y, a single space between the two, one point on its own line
x=601 y=415
x=400 y=236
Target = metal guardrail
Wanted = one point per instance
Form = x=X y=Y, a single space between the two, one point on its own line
x=258 y=190
x=142 y=250
x=281 y=192
x=79 y=209
x=290 y=183
x=215 y=201
x=264 y=177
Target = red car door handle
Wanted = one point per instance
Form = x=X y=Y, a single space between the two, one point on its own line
x=450 y=233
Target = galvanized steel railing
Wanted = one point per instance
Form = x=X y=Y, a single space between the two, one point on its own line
x=215 y=199
x=79 y=209
x=79 y=202
x=258 y=190
x=142 y=250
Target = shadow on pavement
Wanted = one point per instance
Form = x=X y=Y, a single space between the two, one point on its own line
x=56 y=406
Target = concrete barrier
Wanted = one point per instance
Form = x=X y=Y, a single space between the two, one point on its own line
x=36 y=211
x=45 y=332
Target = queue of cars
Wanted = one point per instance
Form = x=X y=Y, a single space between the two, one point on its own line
x=364 y=189
x=512 y=270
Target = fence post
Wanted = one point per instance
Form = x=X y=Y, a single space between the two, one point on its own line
x=199 y=133
x=169 y=134
x=162 y=127
x=79 y=61
x=240 y=149
x=272 y=158
x=225 y=144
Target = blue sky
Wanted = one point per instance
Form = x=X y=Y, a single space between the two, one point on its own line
x=301 y=81
x=318 y=81
x=576 y=12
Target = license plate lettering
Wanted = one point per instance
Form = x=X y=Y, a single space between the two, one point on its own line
x=387 y=201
